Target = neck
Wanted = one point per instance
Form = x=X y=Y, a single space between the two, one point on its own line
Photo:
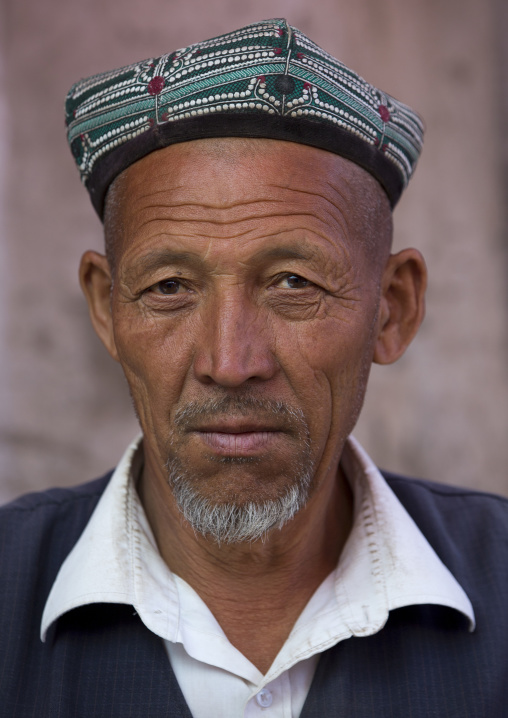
x=270 y=579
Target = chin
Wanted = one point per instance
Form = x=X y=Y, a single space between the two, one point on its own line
x=233 y=508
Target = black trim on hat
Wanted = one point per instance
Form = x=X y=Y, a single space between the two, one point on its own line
x=304 y=130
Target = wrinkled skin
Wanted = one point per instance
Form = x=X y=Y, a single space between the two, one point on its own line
x=243 y=272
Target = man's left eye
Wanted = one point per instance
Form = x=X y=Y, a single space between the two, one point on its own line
x=167 y=286
x=295 y=281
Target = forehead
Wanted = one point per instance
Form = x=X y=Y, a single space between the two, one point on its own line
x=229 y=167
x=236 y=187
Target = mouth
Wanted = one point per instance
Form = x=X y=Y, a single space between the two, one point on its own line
x=238 y=443
x=231 y=427
x=234 y=438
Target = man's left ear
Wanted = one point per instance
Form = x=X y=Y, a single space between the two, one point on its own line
x=402 y=306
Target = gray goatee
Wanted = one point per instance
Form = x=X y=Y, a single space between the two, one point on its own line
x=228 y=523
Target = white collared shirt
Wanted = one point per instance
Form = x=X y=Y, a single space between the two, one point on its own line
x=386 y=564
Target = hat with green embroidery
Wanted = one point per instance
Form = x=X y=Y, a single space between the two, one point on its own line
x=265 y=80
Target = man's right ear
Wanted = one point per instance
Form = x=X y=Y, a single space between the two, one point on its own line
x=96 y=282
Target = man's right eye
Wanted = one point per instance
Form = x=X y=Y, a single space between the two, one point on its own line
x=295 y=281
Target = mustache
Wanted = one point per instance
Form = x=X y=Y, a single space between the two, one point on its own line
x=274 y=409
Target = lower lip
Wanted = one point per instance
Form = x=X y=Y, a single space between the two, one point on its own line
x=243 y=444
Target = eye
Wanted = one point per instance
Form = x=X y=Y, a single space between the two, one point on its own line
x=167 y=286
x=294 y=281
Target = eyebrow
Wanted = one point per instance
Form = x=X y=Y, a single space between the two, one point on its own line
x=286 y=253
x=158 y=259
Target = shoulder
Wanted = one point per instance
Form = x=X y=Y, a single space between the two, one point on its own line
x=40 y=509
x=425 y=496
x=468 y=529
x=38 y=530
x=54 y=499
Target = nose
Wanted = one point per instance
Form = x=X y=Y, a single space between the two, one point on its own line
x=235 y=345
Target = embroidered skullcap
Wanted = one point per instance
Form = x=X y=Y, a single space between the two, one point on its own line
x=264 y=80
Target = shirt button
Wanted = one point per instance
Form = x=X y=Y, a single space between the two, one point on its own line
x=264 y=698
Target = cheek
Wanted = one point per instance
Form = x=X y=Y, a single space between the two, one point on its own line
x=155 y=356
x=330 y=346
x=330 y=362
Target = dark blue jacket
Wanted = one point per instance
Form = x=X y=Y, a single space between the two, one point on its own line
x=101 y=661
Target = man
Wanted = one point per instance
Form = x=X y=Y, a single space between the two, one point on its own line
x=246 y=557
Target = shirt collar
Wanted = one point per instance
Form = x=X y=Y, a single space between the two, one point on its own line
x=116 y=559
x=404 y=567
x=386 y=557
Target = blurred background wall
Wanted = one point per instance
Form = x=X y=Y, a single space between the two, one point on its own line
x=442 y=411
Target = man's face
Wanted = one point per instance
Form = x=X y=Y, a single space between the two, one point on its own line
x=244 y=312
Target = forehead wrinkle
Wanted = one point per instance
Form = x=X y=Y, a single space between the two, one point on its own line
x=347 y=197
x=248 y=218
x=241 y=202
x=179 y=235
x=168 y=208
x=232 y=205
x=155 y=192
x=303 y=249
x=227 y=221
x=313 y=193
x=328 y=236
x=348 y=200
